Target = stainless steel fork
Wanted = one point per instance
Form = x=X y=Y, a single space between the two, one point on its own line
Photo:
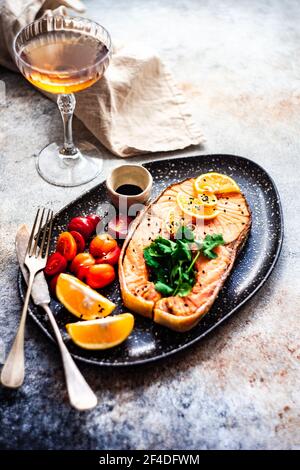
x=12 y=374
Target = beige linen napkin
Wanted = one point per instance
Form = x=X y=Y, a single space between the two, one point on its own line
x=135 y=108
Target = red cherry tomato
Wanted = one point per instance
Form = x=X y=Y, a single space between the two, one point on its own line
x=52 y=285
x=100 y=275
x=80 y=242
x=118 y=226
x=95 y=219
x=82 y=225
x=111 y=257
x=66 y=245
x=80 y=265
x=102 y=244
x=56 y=264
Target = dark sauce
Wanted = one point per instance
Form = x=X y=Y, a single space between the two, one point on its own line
x=129 y=189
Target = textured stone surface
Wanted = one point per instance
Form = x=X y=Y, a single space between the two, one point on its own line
x=237 y=62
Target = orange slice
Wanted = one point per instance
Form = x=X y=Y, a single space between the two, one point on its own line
x=194 y=207
x=215 y=183
x=103 y=333
x=80 y=299
x=208 y=199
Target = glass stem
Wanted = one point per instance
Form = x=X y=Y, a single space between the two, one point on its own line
x=66 y=105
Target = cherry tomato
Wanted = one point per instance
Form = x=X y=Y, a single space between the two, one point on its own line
x=80 y=265
x=118 y=226
x=82 y=225
x=56 y=264
x=102 y=244
x=111 y=257
x=100 y=275
x=66 y=245
x=52 y=285
x=80 y=242
x=95 y=219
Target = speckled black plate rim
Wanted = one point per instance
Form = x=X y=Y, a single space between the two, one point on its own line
x=217 y=324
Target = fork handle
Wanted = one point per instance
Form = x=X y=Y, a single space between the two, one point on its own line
x=80 y=394
x=12 y=374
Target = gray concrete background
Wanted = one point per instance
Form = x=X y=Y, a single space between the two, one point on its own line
x=238 y=63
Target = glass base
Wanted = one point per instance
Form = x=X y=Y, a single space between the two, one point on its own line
x=69 y=171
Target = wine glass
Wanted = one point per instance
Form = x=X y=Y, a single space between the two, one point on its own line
x=62 y=55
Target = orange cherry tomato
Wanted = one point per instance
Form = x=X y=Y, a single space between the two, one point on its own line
x=100 y=275
x=102 y=244
x=112 y=257
x=80 y=264
x=66 y=246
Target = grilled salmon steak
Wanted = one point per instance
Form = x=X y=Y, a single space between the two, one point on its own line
x=181 y=313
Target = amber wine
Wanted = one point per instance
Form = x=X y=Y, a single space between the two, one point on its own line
x=64 y=61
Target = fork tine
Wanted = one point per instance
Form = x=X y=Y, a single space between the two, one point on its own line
x=44 y=233
x=34 y=249
x=49 y=235
x=29 y=246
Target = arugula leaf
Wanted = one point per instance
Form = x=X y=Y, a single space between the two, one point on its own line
x=163 y=288
x=210 y=242
x=165 y=249
x=153 y=252
x=185 y=249
x=166 y=242
x=150 y=258
x=184 y=289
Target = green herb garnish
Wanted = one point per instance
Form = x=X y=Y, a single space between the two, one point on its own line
x=172 y=263
x=210 y=242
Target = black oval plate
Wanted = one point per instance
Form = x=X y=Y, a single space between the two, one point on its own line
x=149 y=342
